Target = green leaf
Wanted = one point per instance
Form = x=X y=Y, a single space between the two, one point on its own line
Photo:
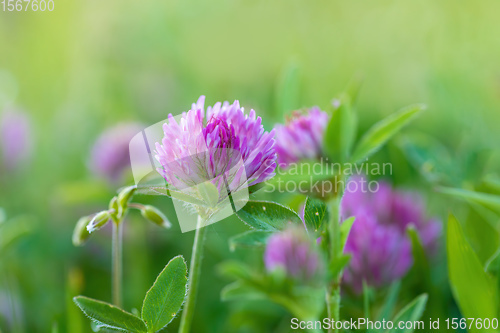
x=340 y=132
x=303 y=301
x=256 y=187
x=345 y=229
x=489 y=201
x=430 y=158
x=390 y=300
x=481 y=228
x=420 y=265
x=14 y=229
x=411 y=312
x=249 y=239
x=235 y=270
x=493 y=263
x=110 y=316
x=338 y=264
x=165 y=298
x=473 y=289
x=188 y=198
x=209 y=193
x=241 y=291
x=267 y=215
x=492 y=183
x=382 y=131
x=315 y=212
x=146 y=189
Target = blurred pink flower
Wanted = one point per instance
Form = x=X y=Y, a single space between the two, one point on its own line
x=378 y=244
x=301 y=137
x=293 y=251
x=110 y=154
x=15 y=138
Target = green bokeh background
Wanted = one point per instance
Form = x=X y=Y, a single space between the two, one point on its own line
x=89 y=65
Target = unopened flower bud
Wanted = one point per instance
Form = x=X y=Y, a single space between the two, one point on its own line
x=125 y=196
x=99 y=220
x=113 y=205
x=154 y=215
x=80 y=233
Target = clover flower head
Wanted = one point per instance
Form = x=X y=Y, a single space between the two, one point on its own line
x=110 y=154
x=293 y=251
x=379 y=246
x=222 y=145
x=301 y=137
x=15 y=138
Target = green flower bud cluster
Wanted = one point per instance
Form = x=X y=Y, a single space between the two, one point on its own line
x=117 y=210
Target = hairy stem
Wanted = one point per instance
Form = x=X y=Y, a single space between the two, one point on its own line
x=333 y=303
x=135 y=205
x=117 y=262
x=194 y=275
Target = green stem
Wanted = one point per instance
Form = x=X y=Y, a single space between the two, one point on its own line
x=329 y=306
x=194 y=275
x=136 y=205
x=117 y=260
x=333 y=303
x=332 y=296
x=366 y=299
x=11 y=284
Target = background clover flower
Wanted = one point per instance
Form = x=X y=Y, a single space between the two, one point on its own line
x=110 y=154
x=379 y=246
x=15 y=138
x=204 y=146
x=301 y=137
x=293 y=251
